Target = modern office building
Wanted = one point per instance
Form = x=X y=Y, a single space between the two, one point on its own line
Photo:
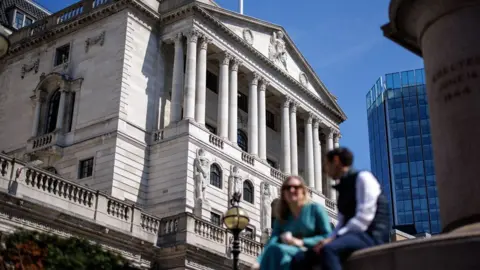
x=401 y=149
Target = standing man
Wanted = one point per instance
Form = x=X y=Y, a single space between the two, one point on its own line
x=363 y=218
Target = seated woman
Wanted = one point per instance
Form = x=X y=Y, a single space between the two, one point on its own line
x=299 y=225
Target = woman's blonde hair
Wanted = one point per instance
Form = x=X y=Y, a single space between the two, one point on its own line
x=282 y=211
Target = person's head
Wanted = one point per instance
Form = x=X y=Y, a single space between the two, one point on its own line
x=338 y=161
x=294 y=193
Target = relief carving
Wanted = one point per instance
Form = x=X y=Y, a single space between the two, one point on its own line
x=235 y=181
x=277 y=50
x=100 y=39
x=266 y=207
x=33 y=66
x=303 y=79
x=248 y=36
x=201 y=175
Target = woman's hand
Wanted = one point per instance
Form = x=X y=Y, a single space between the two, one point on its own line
x=255 y=266
x=288 y=239
x=321 y=244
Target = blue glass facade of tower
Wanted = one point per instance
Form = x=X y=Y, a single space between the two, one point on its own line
x=401 y=149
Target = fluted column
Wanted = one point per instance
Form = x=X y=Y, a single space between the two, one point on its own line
x=222 y=114
x=286 y=163
x=309 y=162
x=262 y=122
x=36 y=116
x=253 y=115
x=330 y=145
x=233 y=103
x=61 y=109
x=336 y=140
x=201 y=95
x=317 y=155
x=177 y=80
x=190 y=76
x=293 y=138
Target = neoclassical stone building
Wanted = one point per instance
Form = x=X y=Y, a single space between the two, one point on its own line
x=167 y=106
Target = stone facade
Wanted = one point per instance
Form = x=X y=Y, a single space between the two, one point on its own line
x=168 y=106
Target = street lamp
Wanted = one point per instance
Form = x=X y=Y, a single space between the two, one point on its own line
x=4 y=44
x=236 y=220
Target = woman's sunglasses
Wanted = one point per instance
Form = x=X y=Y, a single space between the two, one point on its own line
x=290 y=187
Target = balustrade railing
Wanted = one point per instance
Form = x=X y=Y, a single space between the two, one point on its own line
x=63 y=16
x=42 y=141
x=66 y=196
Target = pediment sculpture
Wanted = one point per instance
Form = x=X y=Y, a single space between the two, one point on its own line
x=277 y=50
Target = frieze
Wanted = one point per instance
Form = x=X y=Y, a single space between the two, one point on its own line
x=100 y=40
x=31 y=67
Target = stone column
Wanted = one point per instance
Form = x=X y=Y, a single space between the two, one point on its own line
x=177 y=80
x=233 y=104
x=201 y=96
x=253 y=115
x=262 y=121
x=336 y=140
x=309 y=162
x=446 y=35
x=286 y=163
x=222 y=114
x=330 y=145
x=293 y=138
x=61 y=110
x=36 y=116
x=317 y=156
x=190 y=76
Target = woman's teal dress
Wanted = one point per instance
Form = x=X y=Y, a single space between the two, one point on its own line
x=312 y=225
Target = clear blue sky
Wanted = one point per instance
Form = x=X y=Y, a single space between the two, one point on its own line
x=342 y=41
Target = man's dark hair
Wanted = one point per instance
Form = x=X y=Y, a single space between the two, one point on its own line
x=344 y=155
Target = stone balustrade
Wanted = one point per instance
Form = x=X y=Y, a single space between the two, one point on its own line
x=40 y=187
x=41 y=27
x=43 y=141
x=187 y=228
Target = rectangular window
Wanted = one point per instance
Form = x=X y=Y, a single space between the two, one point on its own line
x=21 y=19
x=62 y=55
x=211 y=128
x=242 y=102
x=249 y=233
x=86 y=168
x=216 y=219
x=270 y=120
x=212 y=82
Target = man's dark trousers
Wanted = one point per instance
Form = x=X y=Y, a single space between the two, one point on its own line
x=334 y=253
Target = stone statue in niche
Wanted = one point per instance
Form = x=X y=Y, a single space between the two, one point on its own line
x=266 y=207
x=277 y=50
x=235 y=184
x=201 y=174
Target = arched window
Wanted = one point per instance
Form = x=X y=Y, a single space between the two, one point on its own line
x=242 y=140
x=215 y=176
x=248 y=191
x=52 y=112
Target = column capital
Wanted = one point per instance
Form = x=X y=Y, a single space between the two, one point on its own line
x=336 y=139
x=330 y=132
x=309 y=118
x=286 y=102
x=225 y=59
x=235 y=64
x=264 y=84
x=254 y=78
x=293 y=107
x=192 y=35
x=204 y=41
x=316 y=123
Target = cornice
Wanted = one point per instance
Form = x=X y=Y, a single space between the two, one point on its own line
x=77 y=23
x=197 y=8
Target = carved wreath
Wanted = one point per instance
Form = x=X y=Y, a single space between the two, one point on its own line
x=248 y=36
x=303 y=78
x=100 y=39
x=33 y=66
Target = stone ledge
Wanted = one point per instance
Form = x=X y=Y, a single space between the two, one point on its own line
x=457 y=251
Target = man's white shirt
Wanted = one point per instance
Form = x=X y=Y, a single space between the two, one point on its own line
x=367 y=191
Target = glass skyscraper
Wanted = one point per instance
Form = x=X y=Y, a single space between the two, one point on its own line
x=401 y=149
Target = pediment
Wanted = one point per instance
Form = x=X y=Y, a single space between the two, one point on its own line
x=274 y=43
